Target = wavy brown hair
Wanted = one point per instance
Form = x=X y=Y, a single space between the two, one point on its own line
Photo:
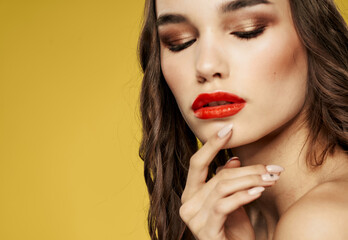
x=168 y=143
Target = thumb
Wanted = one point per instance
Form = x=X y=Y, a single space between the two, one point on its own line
x=231 y=163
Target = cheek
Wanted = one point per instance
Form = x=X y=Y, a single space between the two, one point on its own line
x=170 y=73
x=274 y=84
x=178 y=75
x=288 y=66
x=287 y=59
x=280 y=72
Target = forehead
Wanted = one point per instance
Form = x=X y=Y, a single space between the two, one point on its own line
x=202 y=7
x=172 y=5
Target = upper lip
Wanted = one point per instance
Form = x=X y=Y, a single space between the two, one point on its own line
x=206 y=98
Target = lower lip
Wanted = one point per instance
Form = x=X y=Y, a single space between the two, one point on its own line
x=219 y=111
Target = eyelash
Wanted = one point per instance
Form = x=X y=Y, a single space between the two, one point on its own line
x=241 y=35
x=250 y=34
x=179 y=47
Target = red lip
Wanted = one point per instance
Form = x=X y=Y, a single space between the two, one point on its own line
x=207 y=112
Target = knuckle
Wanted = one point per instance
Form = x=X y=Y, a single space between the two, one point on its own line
x=212 y=144
x=223 y=174
x=219 y=208
x=221 y=187
x=240 y=198
x=237 y=197
x=184 y=212
x=196 y=162
x=256 y=179
x=260 y=168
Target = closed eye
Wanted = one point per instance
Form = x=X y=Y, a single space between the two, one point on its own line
x=249 y=34
x=179 y=47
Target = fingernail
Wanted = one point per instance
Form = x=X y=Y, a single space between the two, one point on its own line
x=256 y=190
x=231 y=159
x=274 y=168
x=268 y=177
x=225 y=130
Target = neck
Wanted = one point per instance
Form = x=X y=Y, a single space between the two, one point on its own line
x=287 y=148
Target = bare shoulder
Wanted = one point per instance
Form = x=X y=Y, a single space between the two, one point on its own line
x=321 y=214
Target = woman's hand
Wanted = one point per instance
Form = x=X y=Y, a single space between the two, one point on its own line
x=214 y=209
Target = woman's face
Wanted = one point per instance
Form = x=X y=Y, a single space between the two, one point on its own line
x=238 y=61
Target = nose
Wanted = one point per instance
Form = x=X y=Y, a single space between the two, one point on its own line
x=211 y=60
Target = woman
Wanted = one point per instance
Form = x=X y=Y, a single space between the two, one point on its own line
x=265 y=81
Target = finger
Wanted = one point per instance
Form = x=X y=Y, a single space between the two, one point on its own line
x=199 y=162
x=230 y=186
x=231 y=173
x=231 y=163
x=206 y=199
x=219 y=169
x=274 y=169
x=225 y=188
x=225 y=174
x=236 y=172
x=225 y=206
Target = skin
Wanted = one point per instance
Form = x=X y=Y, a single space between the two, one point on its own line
x=269 y=71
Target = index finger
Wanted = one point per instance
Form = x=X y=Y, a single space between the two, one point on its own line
x=199 y=162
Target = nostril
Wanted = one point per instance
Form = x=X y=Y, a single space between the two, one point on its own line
x=217 y=75
x=201 y=79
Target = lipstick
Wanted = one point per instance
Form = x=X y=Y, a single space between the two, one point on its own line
x=217 y=105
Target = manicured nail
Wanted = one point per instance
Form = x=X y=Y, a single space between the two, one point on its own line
x=225 y=130
x=274 y=168
x=232 y=159
x=256 y=190
x=269 y=177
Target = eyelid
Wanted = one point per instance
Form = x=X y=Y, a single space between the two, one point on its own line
x=245 y=24
x=175 y=37
x=171 y=41
x=249 y=26
x=246 y=35
x=179 y=47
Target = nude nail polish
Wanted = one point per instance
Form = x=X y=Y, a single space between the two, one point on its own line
x=269 y=177
x=225 y=130
x=256 y=190
x=274 y=168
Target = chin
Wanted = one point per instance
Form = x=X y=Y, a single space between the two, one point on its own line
x=238 y=140
x=263 y=136
x=241 y=135
x=247 y=132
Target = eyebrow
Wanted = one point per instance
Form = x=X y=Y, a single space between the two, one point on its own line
x=238 y=4
x=228 y=7
x=170 y=18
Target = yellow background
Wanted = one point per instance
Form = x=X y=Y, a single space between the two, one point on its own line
x=69 y=122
